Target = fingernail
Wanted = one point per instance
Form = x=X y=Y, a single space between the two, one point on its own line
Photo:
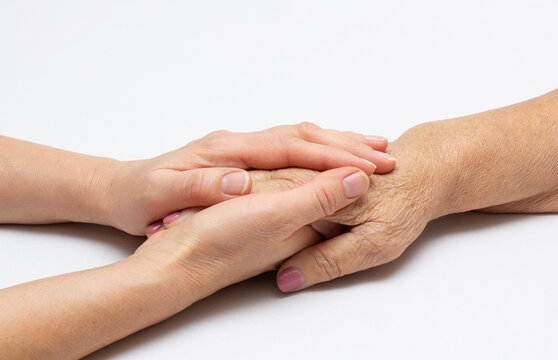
x=171 y=217
x=153 y=228
x=385 y=156
x=235 y=183
x=355 y=185
x=289 y=279
x=375 y=138
x=374 y=167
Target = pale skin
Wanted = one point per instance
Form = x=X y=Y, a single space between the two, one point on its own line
x=40 y=184
x=71 y=315
x=89 y=309
x=505 y=160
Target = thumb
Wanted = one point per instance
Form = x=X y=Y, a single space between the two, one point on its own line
x=279 y=215
x=325 y=194
x=361 y=248
x=201 y=187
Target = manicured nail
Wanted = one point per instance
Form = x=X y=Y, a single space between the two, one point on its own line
x=355 y=185
x=375 y=138
x=154 y=227
x=171 y=217
x=289 y=279
x=235 y=183
x=385 y=156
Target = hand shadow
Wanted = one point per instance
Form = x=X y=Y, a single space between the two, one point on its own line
x=263 y=287
x=436 y=231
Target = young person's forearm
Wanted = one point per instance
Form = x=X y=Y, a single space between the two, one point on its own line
x=69 y=316
x=40 y=184
x=491 y=158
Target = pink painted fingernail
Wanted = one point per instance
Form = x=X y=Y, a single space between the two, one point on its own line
x=375 y=138
x=171 y=217
x=154 y=227
x=355 y=185
x=235 y=183
x=289 y=280
x=385 y=156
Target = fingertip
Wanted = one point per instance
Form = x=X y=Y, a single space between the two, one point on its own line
x=153 y=228
x=236 y=183
x=385 y=156
x=385 y=162
x=355 y=184
x=372 y=168
x=248 y=183
x=354 y=181
x=289 y=280
x=376 y=142
x=171 y=217
x=375 y=138
x=367 y=166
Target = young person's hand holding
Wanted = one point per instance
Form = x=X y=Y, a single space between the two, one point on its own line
x=39 y=184
x=200 y=253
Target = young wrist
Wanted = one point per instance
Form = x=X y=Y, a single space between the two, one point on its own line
x=102 y=176
x=179 y=266
x=175 y=290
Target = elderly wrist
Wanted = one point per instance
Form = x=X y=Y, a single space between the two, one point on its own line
x=439 y=161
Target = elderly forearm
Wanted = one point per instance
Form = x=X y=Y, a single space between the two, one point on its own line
x=40 y=184
x=496 y=157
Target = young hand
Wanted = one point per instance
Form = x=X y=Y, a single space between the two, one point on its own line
x=211 y=170
x=246 y=236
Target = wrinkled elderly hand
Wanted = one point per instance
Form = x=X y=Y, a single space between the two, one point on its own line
x=382 y=224
x=504 y=160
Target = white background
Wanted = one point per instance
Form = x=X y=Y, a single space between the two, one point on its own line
x=133 y=79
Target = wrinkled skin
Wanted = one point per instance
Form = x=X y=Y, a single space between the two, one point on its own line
x=381 y=224
x=427 y=183
x=503 y=160
x=386 y=220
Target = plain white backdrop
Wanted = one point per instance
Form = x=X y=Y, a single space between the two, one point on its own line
x=133 y=79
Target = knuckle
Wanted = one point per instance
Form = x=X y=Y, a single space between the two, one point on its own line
x=326 y=200
x=151 y=186
x=218 y=134
x=327 y=265
x=354 y=214
x=365 y=245
x=354 y=136
x=193 y=144
x=152 y=197
x=295 y=176
x=379 y=246
x=307 y=130
x=195 y=187
x=214 y=137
